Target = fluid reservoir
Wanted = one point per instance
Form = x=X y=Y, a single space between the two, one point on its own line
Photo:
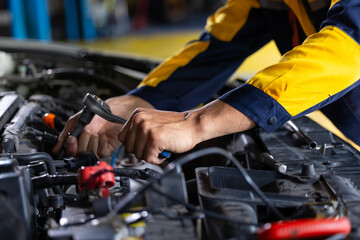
x=7 y=64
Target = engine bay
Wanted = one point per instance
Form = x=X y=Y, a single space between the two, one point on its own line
x=298 y=182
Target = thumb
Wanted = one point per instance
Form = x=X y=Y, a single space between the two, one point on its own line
x=65 y=132
x=57 y=148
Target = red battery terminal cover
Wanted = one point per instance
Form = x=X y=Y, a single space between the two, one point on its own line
x=304 y=228
x=100 y=176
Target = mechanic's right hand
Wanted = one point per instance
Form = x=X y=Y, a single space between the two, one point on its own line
x=99 y=136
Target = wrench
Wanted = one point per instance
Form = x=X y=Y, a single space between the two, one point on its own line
x=312 y=144
x=94 y=105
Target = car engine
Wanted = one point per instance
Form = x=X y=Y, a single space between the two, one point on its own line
x=298 y=182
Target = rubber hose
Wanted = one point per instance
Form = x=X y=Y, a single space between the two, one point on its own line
x=49 y=161
x=137 y=173
x=47 y=181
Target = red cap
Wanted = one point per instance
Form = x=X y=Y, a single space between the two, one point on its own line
x=49 y=119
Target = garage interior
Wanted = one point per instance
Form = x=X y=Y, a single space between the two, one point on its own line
x=67 y=56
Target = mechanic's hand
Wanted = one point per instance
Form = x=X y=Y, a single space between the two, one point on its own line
x=99 y=136
x=148 y=132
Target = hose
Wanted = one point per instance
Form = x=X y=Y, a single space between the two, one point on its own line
x=143 y=174
x=47 y=181
x=25 y=159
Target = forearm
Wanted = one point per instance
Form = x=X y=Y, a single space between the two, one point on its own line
x=217 y=119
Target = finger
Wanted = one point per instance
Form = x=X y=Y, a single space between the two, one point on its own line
x=129 y=138
x=71 y=146
x=93 y=143
x=141 y=137
x=152 y=157
x=124 y=131
x=83 y=141
x=58 y=146
x=137 y=121
x=104 y=149
x=141 y=140
x=65 y=132
x=151 y=154
x=62 y=137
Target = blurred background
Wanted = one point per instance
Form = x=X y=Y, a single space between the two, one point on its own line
x=149 y=28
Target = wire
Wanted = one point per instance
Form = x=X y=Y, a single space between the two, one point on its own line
x=245 y=175
x=188 y=205
x=130 y=197
x=195 y=208
x=114 y=156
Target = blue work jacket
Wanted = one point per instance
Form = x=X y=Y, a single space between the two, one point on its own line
x=319 y=69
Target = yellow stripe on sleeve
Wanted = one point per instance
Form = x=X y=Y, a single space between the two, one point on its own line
x=169 y=66
x=333 y=2
x=228 y=20
x=224 y=25
x=325 y=64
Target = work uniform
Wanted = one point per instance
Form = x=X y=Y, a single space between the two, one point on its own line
x=322 y=72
